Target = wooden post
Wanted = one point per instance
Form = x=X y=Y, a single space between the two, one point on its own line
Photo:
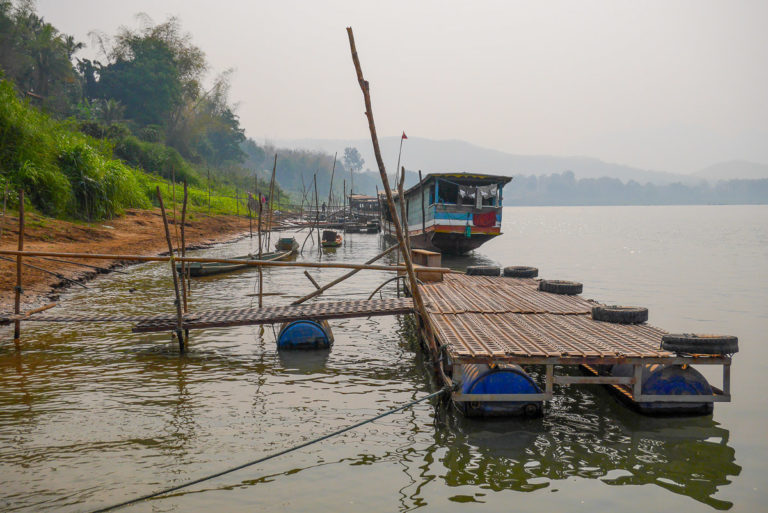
x=344 y=207
x=17 y=296
x=179 y=318
x=309 y=276
x=260 y=275
x=417 y=299
x=423 y=211
x=237 y=204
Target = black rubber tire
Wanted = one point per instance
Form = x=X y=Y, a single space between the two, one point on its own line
x=700 y=344
x=620 y=314
x=520 y=271
x=483 y=270
x=570 y=288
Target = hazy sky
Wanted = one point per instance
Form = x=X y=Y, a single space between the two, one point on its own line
x=667 y=85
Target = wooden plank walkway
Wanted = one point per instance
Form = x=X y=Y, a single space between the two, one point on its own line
x=497 y=318
x=248 y=316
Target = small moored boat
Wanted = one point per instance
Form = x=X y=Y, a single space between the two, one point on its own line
x=197 y=269
x=331 y=239
x=287 y=244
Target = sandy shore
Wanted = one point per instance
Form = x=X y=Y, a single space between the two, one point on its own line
x=138 y=232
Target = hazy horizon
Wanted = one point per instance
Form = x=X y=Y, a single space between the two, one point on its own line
x=669 y=87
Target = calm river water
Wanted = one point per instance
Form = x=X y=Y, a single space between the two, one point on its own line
x=93 y=414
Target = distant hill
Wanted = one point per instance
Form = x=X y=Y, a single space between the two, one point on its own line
x=734 y=169
x=453 y=155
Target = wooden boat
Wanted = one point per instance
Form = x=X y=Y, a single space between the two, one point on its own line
x=287 y=244
x=197 y=269
x=331 y=239
x=451 y=212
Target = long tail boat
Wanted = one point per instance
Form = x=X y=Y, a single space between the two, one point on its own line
x=197 y=269
x=451 y=212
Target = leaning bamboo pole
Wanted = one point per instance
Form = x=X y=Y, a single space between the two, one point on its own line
x=184 y=248
x=320 y=290
x=251 y=263
x=17 y=290
x=261 y=277
x=179 y=315
x=271 y=201
x=417 y=299
x=403 y=210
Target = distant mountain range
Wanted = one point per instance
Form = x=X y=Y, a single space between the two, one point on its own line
x=453 y=155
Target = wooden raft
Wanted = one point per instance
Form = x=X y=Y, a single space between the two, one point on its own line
x=497 y=318
x=248 y=316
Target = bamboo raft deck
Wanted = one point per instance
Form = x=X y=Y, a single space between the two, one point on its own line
x=246 y=316
x=491 y=320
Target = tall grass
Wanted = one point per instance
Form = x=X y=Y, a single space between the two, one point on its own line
x=64 y=173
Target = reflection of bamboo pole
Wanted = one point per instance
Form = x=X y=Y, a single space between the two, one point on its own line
x=251 y=263
x=179 y=316
x=320 y=290
x=417 y=299
x=17 y=297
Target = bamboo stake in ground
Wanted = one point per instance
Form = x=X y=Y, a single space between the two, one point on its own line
x=179 y=333
x=417 y=299
x=330 y=189
x=322 y=289
x=17 y=296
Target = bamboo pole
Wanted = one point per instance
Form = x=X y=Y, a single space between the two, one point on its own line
x=423 y=212
x=330 y=189
x=185 y=280
x=322 y=289
x=5 y=199
x=271 y=202
x=417 y=299
x=179 y=316
x=251 y=263
x=17 y=290
x=184 y=248
x=404 y=210
x=317 y=219
x=104 y=269
x=261 y=283
x=52 y=273
x=310 y=278
x=344 y=208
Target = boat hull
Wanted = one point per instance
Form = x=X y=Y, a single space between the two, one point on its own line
x=199 y=269
x=447 y=239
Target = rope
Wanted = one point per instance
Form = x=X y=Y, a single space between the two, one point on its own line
x=271 y=456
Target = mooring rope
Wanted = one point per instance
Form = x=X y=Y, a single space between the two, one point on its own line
x=274 y=455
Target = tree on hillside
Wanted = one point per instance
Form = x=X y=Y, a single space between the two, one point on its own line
x=37 y=57
x=353 y=162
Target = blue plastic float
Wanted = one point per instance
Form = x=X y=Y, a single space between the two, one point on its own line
x=305 y=334
x=498 y=379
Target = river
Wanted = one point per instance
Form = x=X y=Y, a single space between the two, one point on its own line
x=91 y=415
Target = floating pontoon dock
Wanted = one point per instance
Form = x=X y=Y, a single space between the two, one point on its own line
x=483 y=320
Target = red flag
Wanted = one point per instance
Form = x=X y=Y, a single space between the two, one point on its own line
x=404 y=136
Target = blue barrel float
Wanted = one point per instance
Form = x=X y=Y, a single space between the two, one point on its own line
x=661 y=379
x=502 y=378
x=305 y=334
